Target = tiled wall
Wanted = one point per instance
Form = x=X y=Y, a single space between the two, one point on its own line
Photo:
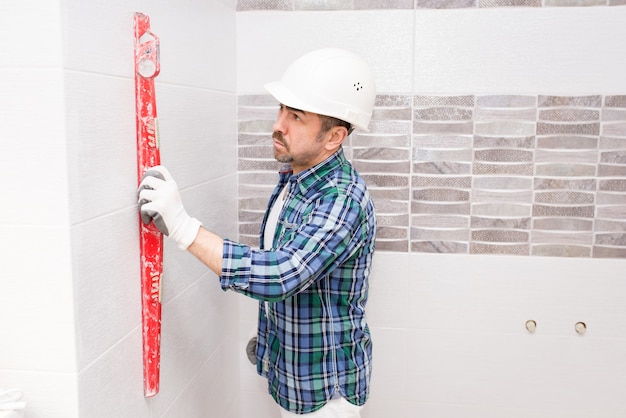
x=245 y=5
x=498 y=174
x=70 y=300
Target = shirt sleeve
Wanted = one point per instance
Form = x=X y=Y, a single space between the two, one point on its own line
x=307 y=251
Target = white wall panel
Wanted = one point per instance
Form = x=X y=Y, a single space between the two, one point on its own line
x=267 y=42
x=101 y=144
x=198 y=46
x=519 y=51
x=32 y=148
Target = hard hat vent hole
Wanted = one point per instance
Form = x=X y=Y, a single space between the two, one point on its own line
x=358 y=86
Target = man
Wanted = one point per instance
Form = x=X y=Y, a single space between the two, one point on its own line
x=317 y=241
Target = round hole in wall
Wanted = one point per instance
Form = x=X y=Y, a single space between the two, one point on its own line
x=531 y=325
x=580 y=328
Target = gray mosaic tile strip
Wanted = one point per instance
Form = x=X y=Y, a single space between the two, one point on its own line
x=569 y=115
x=563 y=238
x=615 y=101
x=616 y=185
x=565 y=197
x=565 y=170
x=500 y=236
x=482 y=196
x=503 y=142
x=478 y=222
x=483 y=114
x=610 y=225
x=578 y=101
x=544 y=128
x=443 y=4
x=560 y=251
x=560 y=156
x=506 y=101
x=503 y=155
x=382 y=4
x=574 y=3
x=442 y=168
x=453 y=208
x=505 y=184
x=614 y=129
x=505 y=127
x=500 y=210
x=510 y=249
x=604 y=252
x=308 y=5
x=562 y=224
x=440 y=247
x=567 y=142
x=613 y=114
x=245 y=5
x=489 y=174
x=578 y=211
x=458 y=235
x=438 y=221
x=564 y=184
x=500 y=169
x=322 y=4
x=428 y=101
x=509 y=3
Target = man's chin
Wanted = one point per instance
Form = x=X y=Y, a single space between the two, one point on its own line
x=281 y=158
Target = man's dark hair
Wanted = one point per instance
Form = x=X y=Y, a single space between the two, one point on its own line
x=329 y=122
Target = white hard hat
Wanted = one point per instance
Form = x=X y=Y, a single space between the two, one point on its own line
x=329 y=81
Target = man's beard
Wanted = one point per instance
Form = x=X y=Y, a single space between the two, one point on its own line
x=286 y=158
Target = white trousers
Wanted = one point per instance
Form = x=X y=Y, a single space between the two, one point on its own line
x=335 y=408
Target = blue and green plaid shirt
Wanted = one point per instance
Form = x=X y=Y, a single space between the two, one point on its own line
x=313 y=338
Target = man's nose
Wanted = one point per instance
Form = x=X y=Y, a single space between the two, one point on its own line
x=279 y=123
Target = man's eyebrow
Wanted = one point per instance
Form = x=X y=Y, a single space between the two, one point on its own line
x=293 y=109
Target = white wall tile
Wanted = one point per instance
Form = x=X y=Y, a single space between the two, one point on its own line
x=198 y=133
x=112 y=386
x=390 y=358
x=213 y=390
x=36 y=300
x=36 y=48
x=515 y=371
x=101 y=144
x=258 y=405
x=268 y=42
x=389 y=301
x=194 y=326
x=379 y=407
x=536 y=50
x=197 y=42
x=107 y=282
x=98 y=36
x=47 y=394
x=32 y=148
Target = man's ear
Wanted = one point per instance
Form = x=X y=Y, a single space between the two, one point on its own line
x=338 y=134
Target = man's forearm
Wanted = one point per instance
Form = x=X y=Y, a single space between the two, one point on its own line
x=208 y=247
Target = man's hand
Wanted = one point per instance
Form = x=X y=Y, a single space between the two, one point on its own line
x=160 y=202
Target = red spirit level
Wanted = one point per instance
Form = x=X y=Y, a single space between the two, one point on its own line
x=147 y=67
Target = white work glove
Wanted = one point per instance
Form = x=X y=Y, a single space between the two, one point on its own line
x=160 y=202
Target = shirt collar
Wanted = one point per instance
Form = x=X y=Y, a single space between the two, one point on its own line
x=308 y=177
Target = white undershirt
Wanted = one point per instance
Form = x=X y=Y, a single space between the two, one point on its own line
x=270 y=227
x=272 y=221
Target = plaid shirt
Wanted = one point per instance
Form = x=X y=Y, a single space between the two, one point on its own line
x=313 y=339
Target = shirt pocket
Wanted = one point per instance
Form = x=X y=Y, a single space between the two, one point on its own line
x=287 y=231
